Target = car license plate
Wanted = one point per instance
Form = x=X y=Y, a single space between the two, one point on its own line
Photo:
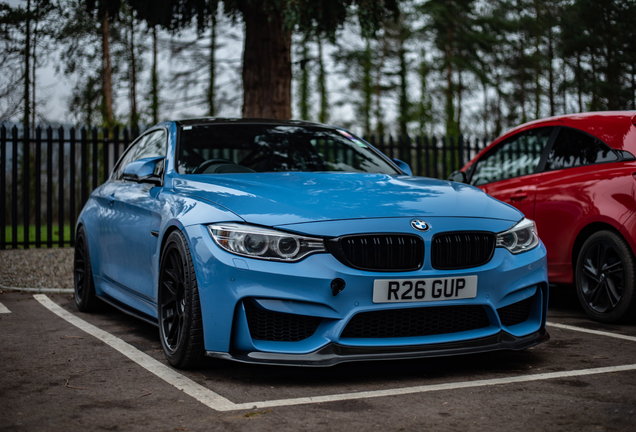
x=422 y=290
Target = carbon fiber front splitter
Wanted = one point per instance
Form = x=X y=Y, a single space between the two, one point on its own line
x=333 y=354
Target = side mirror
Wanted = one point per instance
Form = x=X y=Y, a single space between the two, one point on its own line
x=458 y=176
x=146 y=170
x=403 y=166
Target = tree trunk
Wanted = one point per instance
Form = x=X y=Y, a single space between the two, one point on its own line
x=267 y=70
x=460 y=102
x=579 y=81
x=34 y=77
x=134 y=115
x=212 y=82
x=303 y=104
x=27 y=71
x=551 y=73
x=450 y=91
x=379 y=114
x=154 y=79
x=404 y=95
x=323 y=117
x=366 y=89
x=107 y=87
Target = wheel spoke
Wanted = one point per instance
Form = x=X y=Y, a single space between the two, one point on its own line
x=601 y=256
x=612 y=293
x=590 y=273
x=614 y=268
x=176 y=268
x=591 y=296
x=170 y=287
x=171 y=295
x=174 y=332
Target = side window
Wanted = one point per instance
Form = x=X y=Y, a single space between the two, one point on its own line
x=150 y=145
x=574 y=148
x=154 y=146
x=127 y=158
x=517 y=156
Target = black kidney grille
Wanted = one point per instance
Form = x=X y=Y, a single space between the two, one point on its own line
x=462 y=250
x=515 y=313
x=422 y=321
x=277 y=326
x=379 y=252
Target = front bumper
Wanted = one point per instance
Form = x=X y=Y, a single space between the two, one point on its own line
x=231 y=287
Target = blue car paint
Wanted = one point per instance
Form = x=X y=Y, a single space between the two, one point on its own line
x=125 y=241
x=294 y=197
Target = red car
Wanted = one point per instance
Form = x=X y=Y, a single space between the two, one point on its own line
x=575 y=175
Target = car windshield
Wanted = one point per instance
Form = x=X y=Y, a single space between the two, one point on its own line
x=244 y=148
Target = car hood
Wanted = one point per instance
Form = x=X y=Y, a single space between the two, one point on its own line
x=298 y=197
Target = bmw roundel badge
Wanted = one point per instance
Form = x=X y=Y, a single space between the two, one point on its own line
x=420 y=225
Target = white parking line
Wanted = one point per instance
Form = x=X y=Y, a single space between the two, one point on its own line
x=219 y=403
x=166 y=373
x=596 y=332
x=4 y=309
x=437 y=387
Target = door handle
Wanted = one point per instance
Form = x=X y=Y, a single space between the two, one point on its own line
x=111 y=200
x=518 y=196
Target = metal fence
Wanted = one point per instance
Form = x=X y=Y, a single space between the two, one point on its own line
x=45 y=179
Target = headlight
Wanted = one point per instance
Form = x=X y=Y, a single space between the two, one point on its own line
x=520 y=238
x=262 y=243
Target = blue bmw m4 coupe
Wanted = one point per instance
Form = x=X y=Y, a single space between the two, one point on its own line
x=295 y=243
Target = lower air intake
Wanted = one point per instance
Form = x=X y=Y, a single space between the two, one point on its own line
x=422 y=321
x=277 y=326
x=515 y=313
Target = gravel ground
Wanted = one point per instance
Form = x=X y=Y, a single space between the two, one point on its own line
x=37 y=268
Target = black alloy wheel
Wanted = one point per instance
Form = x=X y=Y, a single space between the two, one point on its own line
x=180 y=322
x=85 y=297
x=605 y=278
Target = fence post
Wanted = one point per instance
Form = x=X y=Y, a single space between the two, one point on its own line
x=95 y=155
x=3 y=185
x=84 y=167
x=444 y=158
x=14 y=188
x=49 y=187
x=106 y=145
x=460 y=144
x=72 y=168
x=60 y=186
x=435 y=158
x=418 y=154
x=26 y=211
x=116 y=152
x=38 y=187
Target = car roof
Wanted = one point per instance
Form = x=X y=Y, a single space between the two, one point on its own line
x=616 y=128
x=243 y=121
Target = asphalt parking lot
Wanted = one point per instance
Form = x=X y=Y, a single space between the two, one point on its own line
x=65 y=370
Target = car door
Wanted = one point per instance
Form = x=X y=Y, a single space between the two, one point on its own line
x=132 y=223
x=510 y=170
x=578 y=186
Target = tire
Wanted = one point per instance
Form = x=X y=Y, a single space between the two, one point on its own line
x=179 y=310
x=85 y=297
x=605 y=276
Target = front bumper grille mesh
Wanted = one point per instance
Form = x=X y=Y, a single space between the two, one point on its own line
x=379 y=252
x=277 y=326
x=462 y=250
x=515 y=313
x=422 y=321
